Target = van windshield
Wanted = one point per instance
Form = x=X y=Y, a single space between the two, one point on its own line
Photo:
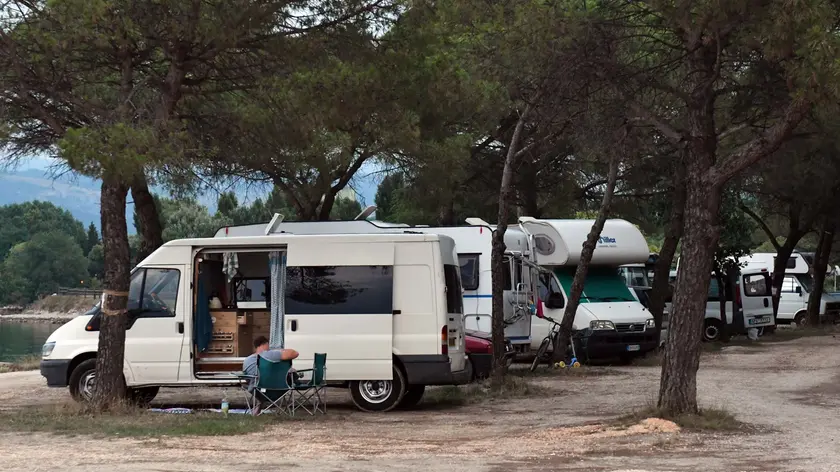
x=603 y=284
x=806 y=282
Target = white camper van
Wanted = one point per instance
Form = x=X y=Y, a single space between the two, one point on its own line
x=385 y=308
x=610 y=322
x=473 y=244
x=796 y=288
x=749 y=307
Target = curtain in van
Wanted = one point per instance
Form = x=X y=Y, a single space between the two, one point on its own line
x=277 y=269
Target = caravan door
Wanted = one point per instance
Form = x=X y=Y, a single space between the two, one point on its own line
x=339 y=301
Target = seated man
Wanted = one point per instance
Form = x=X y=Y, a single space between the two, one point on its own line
x=249 y=367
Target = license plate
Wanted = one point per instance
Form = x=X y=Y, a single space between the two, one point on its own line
x=633 y=347
x=762 y=320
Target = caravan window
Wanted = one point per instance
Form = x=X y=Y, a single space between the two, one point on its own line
x=454 y=295
x=339 y=290
x=513 y=277
x=469 y=270
x=791 y=263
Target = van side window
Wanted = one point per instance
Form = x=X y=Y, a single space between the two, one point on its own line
x=547 y=286
x=454 y=295
x=469 y=271
x=153 y=293
x=714 y=291
x=339 y=290
x=789 y=284
x=757 y=285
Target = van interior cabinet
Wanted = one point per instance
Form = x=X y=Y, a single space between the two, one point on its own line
x=233 y=337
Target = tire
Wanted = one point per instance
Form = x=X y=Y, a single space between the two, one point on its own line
x=711 y=330
x=378 y=395
x=540 y=353
x=143 y=396
x=413 y=395
x=801 y=319
x=82 y=381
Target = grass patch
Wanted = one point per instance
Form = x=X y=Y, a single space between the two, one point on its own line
x=479 y=392
x=63 y=304
x=23 y=364
x=547 y=371
x=72 y=420
x=709 y=419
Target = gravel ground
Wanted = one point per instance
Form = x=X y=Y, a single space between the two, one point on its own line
x=789 y=391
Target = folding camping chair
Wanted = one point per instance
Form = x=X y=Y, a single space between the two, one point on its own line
x=270 y=387
x=309 y=392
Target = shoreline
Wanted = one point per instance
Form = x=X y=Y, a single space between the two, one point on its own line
x=39 y=317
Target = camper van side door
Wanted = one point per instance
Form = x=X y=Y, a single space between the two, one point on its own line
x=155 y=332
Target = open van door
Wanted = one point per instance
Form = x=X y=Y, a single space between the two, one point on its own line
x=756 y=302
x=344 y=311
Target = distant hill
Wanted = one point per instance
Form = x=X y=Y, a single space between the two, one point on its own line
x=80 y=195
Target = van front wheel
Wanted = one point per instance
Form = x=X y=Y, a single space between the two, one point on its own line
x=378 y=395
x=82 y=381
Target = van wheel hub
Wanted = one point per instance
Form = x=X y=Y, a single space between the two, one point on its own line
x=376 y=391
x=87 y=384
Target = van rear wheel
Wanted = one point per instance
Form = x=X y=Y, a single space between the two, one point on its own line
x=712 y=330
x=378 y=395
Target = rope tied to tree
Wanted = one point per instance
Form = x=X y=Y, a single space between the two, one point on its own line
x=106 y=296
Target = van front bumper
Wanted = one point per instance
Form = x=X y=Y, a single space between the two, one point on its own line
x=432 y=369
x=596 y=345
x=55 y=371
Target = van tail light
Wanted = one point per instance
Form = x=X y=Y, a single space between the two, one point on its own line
x=444 y=340
x=540 y=312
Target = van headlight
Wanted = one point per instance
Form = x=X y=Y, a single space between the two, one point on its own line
x=651 y=323
x=601 y=325
x=47 y=349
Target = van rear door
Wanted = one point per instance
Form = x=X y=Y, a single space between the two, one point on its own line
x=454 y=331
x=755 y=298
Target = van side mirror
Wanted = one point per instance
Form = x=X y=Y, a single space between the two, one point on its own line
x=798 y=290
x=555 y=301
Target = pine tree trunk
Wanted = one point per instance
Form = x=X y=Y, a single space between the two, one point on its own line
x=820 y=267
x=662 y=270
x=779 y=267
x=110 y=384
x=150 y=227
x=497 y=255
x=561 y=342
x=678 y=387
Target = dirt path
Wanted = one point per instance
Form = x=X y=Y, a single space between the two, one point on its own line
x=790 y=391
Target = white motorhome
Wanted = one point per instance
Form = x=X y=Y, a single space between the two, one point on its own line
x=610 y=322
x=385 y=308
x=473 y=244
x=796 y=288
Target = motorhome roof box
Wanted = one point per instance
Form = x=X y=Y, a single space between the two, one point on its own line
x=560 y=242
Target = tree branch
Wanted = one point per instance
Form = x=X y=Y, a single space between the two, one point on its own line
x=760 y=147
